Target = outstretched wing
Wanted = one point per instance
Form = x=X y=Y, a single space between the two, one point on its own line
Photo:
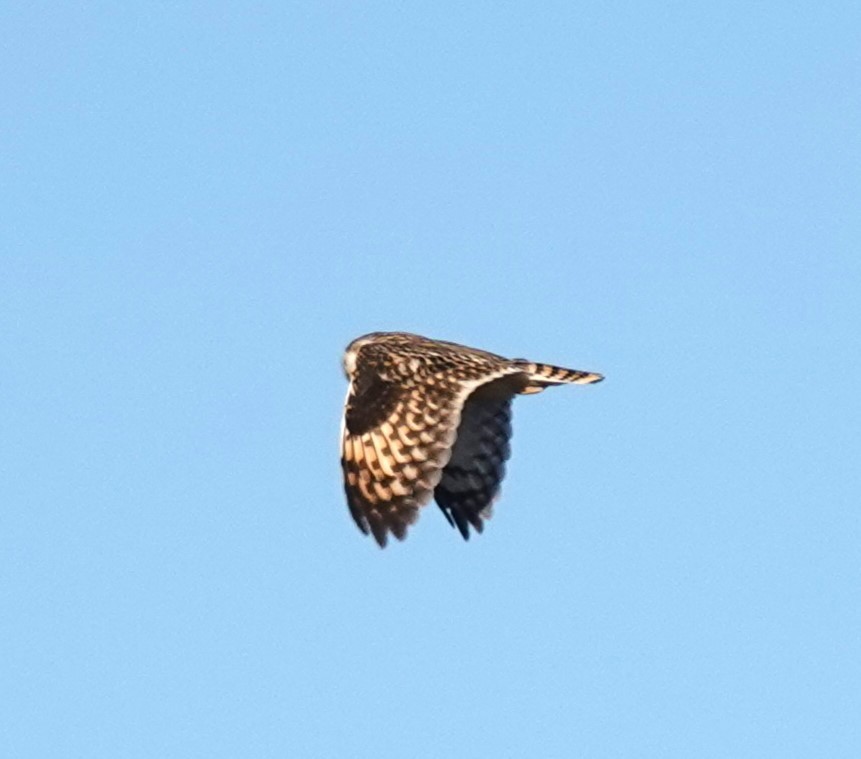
x=471 y=480
x=395 y=442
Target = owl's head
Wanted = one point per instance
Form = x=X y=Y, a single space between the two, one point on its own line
x=386 y=344
x=351 y=354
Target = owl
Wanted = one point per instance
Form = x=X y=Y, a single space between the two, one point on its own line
x=428 y=418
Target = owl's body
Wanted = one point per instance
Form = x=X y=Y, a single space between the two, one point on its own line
x=427 y=418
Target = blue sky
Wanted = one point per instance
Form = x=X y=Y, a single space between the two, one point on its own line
x=203 y=203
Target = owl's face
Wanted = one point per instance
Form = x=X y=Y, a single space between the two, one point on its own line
x=349 y=361
x=351 y=354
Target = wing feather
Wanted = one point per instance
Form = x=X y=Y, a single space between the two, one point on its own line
x=390 y=470
x=471 y=480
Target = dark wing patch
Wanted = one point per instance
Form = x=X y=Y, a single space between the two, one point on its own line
x=372 y=401
x=471 y=480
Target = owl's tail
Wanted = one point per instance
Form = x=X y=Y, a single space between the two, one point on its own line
x=540 y=376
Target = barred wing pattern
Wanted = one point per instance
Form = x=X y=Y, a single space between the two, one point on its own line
x=395 y=445
x=427 y=418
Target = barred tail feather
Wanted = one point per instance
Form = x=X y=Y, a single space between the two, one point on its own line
x=540 y=376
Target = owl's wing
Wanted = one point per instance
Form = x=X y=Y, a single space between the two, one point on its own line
x=470 y=481
x=395 y=442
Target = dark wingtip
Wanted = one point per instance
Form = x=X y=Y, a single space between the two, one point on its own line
x=381 y=531
x=465 y=520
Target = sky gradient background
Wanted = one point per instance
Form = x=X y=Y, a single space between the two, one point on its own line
x=202 y=205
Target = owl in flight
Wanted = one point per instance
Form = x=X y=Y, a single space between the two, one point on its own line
x=427 y=418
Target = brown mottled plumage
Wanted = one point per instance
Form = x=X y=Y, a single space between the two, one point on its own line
x=427 y=418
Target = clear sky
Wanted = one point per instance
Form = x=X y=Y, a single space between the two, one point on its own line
x=203 y=203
